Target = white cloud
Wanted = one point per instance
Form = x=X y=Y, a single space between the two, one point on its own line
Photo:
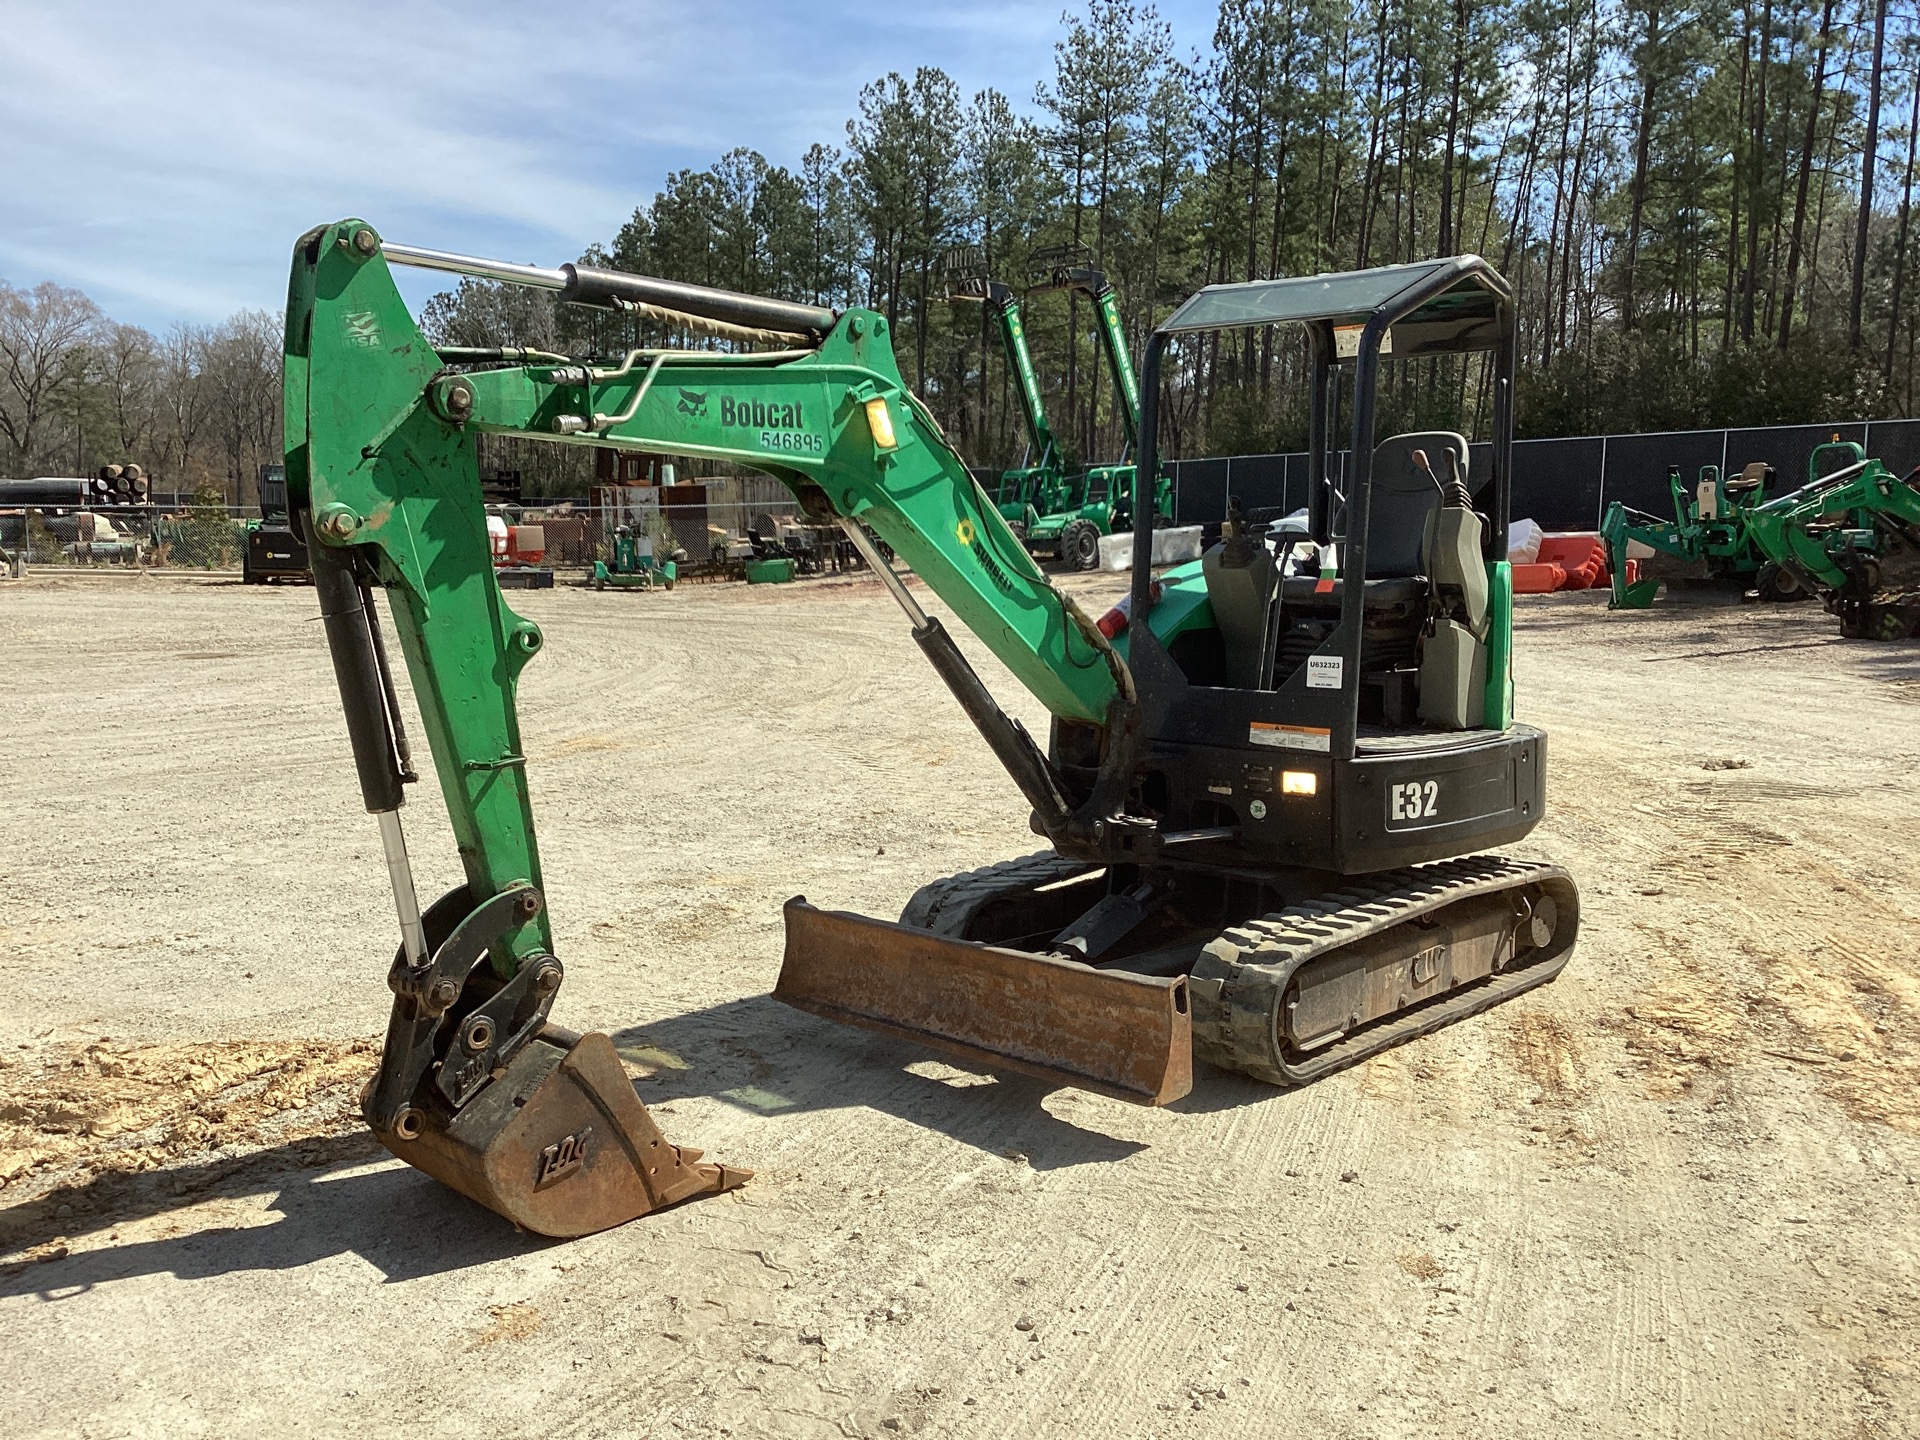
x=165 y=156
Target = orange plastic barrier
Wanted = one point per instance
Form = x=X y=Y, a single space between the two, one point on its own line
x=1583 y=557
x=1538 y=579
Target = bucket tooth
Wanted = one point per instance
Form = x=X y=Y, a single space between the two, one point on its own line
x=560 y=1144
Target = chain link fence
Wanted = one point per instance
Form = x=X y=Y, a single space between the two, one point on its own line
x=210 y=538
x=705 y=539
x=1564 y=484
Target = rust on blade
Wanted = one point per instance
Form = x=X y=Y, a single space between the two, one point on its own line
x=1111 y=1032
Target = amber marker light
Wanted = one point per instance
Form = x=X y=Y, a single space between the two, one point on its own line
x=1299 y=782
x=880 y=421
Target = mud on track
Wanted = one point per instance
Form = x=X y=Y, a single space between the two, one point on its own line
x=1672 y=1194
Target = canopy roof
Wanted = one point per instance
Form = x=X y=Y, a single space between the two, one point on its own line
x=1471 y=313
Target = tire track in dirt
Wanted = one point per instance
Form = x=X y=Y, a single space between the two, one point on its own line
x=714 y=754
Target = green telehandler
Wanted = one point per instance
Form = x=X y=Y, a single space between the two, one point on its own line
x=1097 y=501
x=1852 y=538
x=1027 y=490
x=1266 y=799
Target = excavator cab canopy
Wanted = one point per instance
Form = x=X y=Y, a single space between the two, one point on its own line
x=1435 y=307
x=1369 y=507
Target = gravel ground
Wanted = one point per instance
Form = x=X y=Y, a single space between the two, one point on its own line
x=1673 y=1194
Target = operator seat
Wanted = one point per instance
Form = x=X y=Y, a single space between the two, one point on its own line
x=1399 y=591
x=1757 y=476
x=1398 y=515
x=1404 y=500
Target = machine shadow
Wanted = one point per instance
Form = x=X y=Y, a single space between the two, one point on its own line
x=765 y=1058
x=333 y=1196
x=402 y=1223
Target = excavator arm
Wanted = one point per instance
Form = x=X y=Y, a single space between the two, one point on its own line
x=1853 y=538
x=475 y=1085
x=1811 y=531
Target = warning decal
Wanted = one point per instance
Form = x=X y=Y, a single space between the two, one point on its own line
x=1289 y=737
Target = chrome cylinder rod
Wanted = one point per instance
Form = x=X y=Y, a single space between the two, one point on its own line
x=400 y=874
x=885 y=571
x=536 y=276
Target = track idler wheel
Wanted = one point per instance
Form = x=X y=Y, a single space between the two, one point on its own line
x=560 y=1144
x=477 y=1089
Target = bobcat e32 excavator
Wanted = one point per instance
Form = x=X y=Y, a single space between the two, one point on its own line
x=1266 y=797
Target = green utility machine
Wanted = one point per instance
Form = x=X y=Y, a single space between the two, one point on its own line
x=1853 y=538
x=1710 y=539
x=1029 y=489
x=1097 y=501
x=629 y=569
x=1706 y=541
x=1267 y=801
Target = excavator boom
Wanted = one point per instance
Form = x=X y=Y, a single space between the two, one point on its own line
x=1852 y=537
x=475 y=1086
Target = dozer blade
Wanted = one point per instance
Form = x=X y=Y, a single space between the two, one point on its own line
x=1118 y=1034
x=560 y=1144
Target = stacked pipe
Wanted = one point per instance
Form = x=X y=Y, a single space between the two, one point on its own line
x=110 y=485
x=122 y=484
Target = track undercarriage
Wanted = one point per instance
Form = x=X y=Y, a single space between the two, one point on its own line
x=1285 y=975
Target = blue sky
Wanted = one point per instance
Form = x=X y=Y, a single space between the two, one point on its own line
x=163 y=155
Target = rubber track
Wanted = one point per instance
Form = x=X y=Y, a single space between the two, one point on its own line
x=946 y=906
x=1240 y=982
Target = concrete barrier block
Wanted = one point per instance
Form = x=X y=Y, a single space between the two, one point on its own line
x=1170 y=547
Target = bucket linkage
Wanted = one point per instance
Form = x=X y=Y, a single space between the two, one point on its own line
x=477 y=1089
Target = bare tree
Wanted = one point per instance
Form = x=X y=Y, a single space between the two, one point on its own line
x=242 y=369
x=185 y=396
x=128 y=365
x=45 y=333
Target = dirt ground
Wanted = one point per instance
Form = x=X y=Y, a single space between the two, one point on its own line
x=1673 y=1194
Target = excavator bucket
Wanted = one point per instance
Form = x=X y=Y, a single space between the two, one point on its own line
x=1125 y=1035
x=559 y=1144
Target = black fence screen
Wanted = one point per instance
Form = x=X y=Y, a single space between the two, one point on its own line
x=1567 y=484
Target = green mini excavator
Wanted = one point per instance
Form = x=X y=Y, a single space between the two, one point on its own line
x=1266 y=799
x=1852 y=537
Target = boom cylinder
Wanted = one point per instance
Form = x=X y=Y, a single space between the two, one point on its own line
x=609 y=289
x=587 y=285
x=356 y=669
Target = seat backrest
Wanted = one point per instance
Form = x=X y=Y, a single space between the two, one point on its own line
x=1404 y=496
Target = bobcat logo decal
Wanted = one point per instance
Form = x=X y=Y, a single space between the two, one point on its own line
x=694 y=403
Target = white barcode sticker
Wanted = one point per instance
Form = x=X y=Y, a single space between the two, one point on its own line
x=1325 y=672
